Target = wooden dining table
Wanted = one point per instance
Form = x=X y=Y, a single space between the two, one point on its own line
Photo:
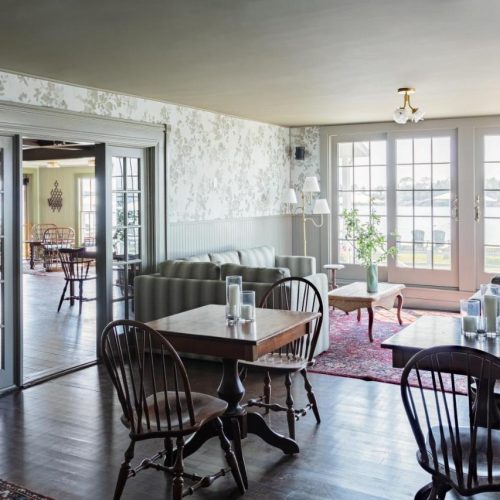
x=433 y=331
x=204 y=331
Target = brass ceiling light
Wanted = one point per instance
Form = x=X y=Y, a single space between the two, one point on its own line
x=407 y=112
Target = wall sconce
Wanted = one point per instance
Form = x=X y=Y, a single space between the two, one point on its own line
x=300 y=152
x=320 y=207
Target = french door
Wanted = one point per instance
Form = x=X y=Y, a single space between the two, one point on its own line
x=9 y=306
x=487 y=204
x=122 y=179
x=410 y=181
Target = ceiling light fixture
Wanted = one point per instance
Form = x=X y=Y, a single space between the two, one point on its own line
x=407 y=112
x=53 y=164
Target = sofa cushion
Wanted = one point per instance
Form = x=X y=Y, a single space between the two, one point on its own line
x=263 y=256
x=254 y=274
x=225 y=257
x=202 y=257
x=189 y=270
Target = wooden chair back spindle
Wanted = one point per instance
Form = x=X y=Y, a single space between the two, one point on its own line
x=149 y=377
x=297 y=294
x=457 y=436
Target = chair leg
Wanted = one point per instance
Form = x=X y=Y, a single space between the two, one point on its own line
x=267 y=389
x=230 y=457
x=124 y=471
x=80 y=296
x=178 y=482
x=290 y=414
x=310 y=396
x=62 y=296
x=169 y=448
x=243 y=374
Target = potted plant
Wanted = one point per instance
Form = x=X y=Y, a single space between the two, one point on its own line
x=370 y=244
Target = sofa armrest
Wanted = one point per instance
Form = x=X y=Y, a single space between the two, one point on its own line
x=298 y=265
x=320 y=281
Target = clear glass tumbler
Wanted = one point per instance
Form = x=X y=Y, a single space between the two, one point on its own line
x=247 y=311
x=470 y=311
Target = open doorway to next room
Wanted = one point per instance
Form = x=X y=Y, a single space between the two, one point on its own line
x=59 y=240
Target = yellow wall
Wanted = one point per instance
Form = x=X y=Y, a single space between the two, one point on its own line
x=43 y=182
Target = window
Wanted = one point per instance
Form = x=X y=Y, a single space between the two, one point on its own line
x=423 y=198
x=126 y=199
x=362 y=184
x=491 y=203
x=87 y=210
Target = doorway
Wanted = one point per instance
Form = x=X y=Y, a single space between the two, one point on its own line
x=59 y=211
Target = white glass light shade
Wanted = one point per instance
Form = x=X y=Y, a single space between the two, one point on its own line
x=400 y=116
x=418 y=116
x=321 y=207
x=311 y=185
x=289 y=196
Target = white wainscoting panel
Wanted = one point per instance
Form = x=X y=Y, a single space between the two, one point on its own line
x=191 y=238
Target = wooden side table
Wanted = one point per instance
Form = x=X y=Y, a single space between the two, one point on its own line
x=354 y=296
x=333 y=268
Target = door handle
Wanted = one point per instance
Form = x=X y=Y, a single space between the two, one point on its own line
x=454 y=209
x=477 y=208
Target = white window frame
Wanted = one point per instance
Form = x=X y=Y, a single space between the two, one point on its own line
x=391 y=272
x=419 y=276
x=79 y=179
x=479 y=211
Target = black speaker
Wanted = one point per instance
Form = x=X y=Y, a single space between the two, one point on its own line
x=300 y=152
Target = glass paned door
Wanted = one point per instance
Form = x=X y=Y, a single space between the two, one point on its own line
x=425 y=209
x=487 y=205
x=8 y=303
x=127 y=231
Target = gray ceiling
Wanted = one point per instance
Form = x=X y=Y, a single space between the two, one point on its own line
x=291 y=62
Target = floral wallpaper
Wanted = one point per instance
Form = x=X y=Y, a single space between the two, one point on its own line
x=310 y=165
x=219 y=166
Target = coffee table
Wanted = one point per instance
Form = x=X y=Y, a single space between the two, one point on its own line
x=354 y=296
x=204 y=331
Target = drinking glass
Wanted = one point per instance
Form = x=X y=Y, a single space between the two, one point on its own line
x=247 y=310
x=233 y=294
x=470 y=310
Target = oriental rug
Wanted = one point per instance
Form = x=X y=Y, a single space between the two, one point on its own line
x=11 y=491
x=352 y=355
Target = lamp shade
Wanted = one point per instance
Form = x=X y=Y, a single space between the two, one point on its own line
x=311 y=185
x=289 y=196
x=321 y=207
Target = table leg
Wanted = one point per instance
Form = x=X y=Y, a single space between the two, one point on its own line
x=32 y=260
x=258 y=426
x=400 y=306
x=370 y=323
x=334 y=280
x=359 y=315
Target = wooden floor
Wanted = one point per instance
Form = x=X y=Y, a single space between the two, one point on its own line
x=55 y=341
x=64 y=439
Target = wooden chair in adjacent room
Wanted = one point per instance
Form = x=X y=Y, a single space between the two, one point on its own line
x=157 y=403
x=55 y=238
x=293 y=294
x=458 y=436
x=76 y=272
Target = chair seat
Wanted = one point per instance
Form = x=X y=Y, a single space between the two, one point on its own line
x=481 y=450
x=277 y=361
x=206 y=408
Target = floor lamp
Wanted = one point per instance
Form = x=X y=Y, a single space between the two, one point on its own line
x=320 y=205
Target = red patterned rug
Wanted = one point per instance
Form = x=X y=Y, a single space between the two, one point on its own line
x=351 y=354
x=13 y=492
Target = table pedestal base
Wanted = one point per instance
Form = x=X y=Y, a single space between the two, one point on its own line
x=238 y=423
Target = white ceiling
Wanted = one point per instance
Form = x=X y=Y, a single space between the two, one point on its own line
x=291 y=62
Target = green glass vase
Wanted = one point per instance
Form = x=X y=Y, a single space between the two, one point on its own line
x=372 y=278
